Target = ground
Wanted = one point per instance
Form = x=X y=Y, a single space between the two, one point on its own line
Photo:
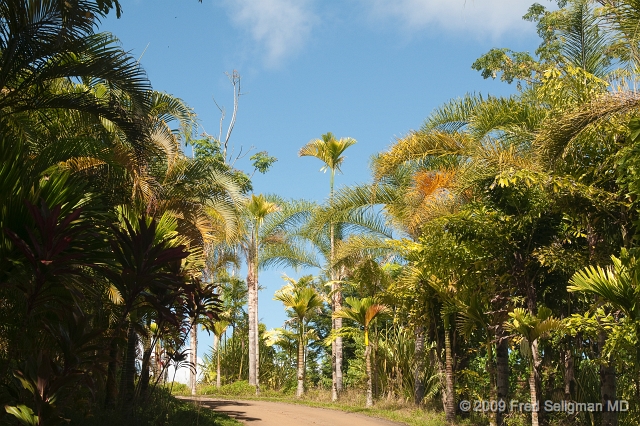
x=265 y=413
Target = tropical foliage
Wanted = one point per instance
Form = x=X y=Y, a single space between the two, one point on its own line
x=492 y=257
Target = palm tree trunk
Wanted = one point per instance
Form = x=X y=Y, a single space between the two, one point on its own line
x=367 y=355
x=251 y=287
x=256 y=327
x=449 y=407
x=638 y=360
x=193 y=355
x=336 y=346
x=374 y=369
x=339 y=345
x=493 y=415
x=568 y=374
x=146 y=364
x=637 y=365
x=217 y=346
x=112 y=373
x=241 y=360
x=154 y=363
x=300 y=390
x=502 y=372
x=334 y=380
x=534 y=396
x=127 y=383
x=607 y=385
x=418 y=382
x=534 y=384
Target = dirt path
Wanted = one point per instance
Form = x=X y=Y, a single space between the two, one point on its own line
x=281 y=414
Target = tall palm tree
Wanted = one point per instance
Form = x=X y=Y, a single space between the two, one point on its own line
x=363 y=312
x=265 y=224
x=257 y=209
x=330 y=151
x=302 y=301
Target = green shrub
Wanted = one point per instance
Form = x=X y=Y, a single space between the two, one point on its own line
x=235 y=389
x=177 y=388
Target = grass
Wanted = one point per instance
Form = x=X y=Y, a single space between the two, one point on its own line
x=351 y=400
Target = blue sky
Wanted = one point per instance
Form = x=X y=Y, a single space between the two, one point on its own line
x=368 y=69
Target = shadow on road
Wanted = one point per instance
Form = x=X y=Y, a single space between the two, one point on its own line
x=220 y=407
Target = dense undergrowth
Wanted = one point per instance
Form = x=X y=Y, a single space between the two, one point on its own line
x=162 y=409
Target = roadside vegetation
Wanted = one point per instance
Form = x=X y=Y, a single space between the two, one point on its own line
x=492 y=256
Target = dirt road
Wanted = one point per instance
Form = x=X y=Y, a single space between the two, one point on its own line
x=279 y=414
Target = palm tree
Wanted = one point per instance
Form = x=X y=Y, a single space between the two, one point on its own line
x=206 y=204
x=329 y=150
x=257 y=209
x=266 y=220
x=363 y=312
x=406 y=203
x=617 y=285
x=219 y=328
x=473 y=314
x=529 y=329
x=47 y=47
x=302 y=301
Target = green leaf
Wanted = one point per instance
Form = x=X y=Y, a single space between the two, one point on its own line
x=23 y=413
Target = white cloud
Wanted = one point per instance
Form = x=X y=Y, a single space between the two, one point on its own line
x=484 y=17
x=281 y=27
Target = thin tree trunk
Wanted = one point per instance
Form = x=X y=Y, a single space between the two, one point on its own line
x=300 y=390
x=607 y=385
x=569 y=375
x=493 y=415
x=251 y=287
x=193 y=355
x=112 y=376
x=241 y=360
x=535 y=384
x=374 y=369
x=154 y=363
x=146 y=361
x=449 y=408
x=502 y=372
x=418 y=374
x=334 y=380
x=217 y=346
x=534 y=396
x=127 y=383
x=367 y=355
x=637 y=366
x=257 y=333
x=438 y=355
x=337 y=345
